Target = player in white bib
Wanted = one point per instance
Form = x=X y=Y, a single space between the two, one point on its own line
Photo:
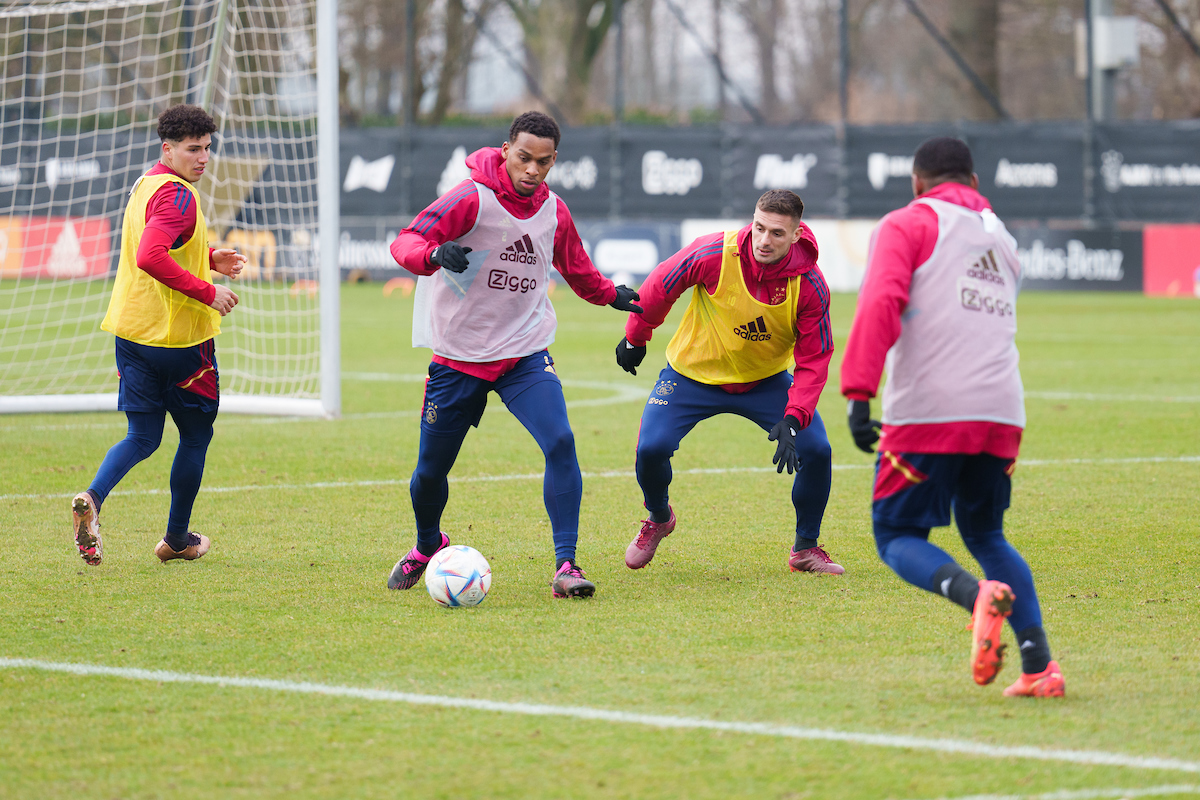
x=484 y=251
x=938 y=305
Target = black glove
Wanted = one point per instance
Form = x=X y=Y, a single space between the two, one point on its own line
x=624 y=302
x=629 y=358
x=451 y=256
x=864 y=429
x=785 y=452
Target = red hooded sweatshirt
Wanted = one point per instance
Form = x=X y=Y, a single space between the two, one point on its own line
x=903 y=241
x=453 y=215
x=699 y=264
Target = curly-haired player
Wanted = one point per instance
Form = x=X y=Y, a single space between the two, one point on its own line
x=165 y=311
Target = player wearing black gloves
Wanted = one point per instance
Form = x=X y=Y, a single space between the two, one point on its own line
x=759 y=305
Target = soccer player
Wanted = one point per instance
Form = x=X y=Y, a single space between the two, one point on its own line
x=483 y=251
x=165 y=311
x=759 y=304
x=938 y=302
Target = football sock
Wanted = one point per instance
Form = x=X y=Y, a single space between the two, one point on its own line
x=960 y=586
x=142 y=439
x=660 y=517
x=187 y=471
x=543 y=412
x=1035 y=650
x=1001 y=562
x=810 y=489
x=429 y=488
x=803 y=543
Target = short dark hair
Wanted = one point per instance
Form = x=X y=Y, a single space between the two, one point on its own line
x=781 y=201
x=184 y=122
x=944 y=157
x=540 y=125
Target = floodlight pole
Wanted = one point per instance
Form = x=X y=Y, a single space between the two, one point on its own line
x=329 y=207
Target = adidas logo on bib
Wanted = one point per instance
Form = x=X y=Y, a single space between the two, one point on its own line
x=520 y=251
x=755 y=331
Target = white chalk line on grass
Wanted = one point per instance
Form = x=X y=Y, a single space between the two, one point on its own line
x=1088 y=794
x=622 y=393
x=957 y=746
x=531 y=476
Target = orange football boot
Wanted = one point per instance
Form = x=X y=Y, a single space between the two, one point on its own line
x=993 y=604
x=1047 y=683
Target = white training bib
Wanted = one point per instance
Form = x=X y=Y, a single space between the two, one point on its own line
x=956 y=359
x=499 y=306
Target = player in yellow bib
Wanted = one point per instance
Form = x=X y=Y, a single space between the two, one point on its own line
x=165 y=311
x=759 y=305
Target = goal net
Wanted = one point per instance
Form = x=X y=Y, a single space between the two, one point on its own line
x=81 y=87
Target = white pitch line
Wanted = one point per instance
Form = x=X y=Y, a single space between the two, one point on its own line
x=530 y=476
x=958 y=746
x=1114 y=398
x=1088 y=794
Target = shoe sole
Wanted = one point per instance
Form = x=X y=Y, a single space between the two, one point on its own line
x=584 y=590
x=988 y=653
x=84 y=539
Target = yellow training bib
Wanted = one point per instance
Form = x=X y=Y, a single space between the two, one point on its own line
x=729 y=337
x=145 y=311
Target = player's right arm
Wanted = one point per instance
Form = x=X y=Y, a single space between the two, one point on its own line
x=171 y=221
x=698 y=263
x=902 y=242
x=447 y=218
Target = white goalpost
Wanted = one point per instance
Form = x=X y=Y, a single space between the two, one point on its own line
x=81 y=86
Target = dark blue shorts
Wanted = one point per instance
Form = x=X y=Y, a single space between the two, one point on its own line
x=167 y=378
x=919 y=490
x=454 y=401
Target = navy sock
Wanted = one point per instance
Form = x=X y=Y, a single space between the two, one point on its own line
x=660 y=517
x=429 y=488
x=541 y=409
x=1035 y=650
x=187 y=471
x=957 y=584
x=803 y=543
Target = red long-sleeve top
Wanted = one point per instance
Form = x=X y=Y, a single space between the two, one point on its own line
x=171 y=221
x=903 y=241
x=453 y=215
x=699 y=264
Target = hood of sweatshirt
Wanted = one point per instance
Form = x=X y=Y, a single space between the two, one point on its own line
x=958 y=194
x=800 y=258
x=487 y=167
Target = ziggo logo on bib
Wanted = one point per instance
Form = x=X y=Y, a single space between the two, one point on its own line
x=499 y=279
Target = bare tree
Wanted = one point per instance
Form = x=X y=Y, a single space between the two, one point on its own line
x=764 y=18
x=563 y=64
x=460 y=39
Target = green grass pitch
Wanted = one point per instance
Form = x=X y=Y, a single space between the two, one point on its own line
x=307 y=518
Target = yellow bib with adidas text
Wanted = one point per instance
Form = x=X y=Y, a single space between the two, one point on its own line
x=729 y=337
x=145 y=311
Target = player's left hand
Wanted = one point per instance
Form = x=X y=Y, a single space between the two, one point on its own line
x=629 y=357
x=228 y=261
x=863 y=429
x=624 y=300
x=784 y=432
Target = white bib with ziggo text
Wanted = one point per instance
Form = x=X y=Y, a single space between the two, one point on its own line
x=498 y=307
x=956 y=358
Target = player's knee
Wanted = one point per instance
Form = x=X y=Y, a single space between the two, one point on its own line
x=561 y=444
x=651 y=450
x=814 y=452
x=146 y=443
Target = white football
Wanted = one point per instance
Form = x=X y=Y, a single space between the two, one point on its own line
x=458 y=576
